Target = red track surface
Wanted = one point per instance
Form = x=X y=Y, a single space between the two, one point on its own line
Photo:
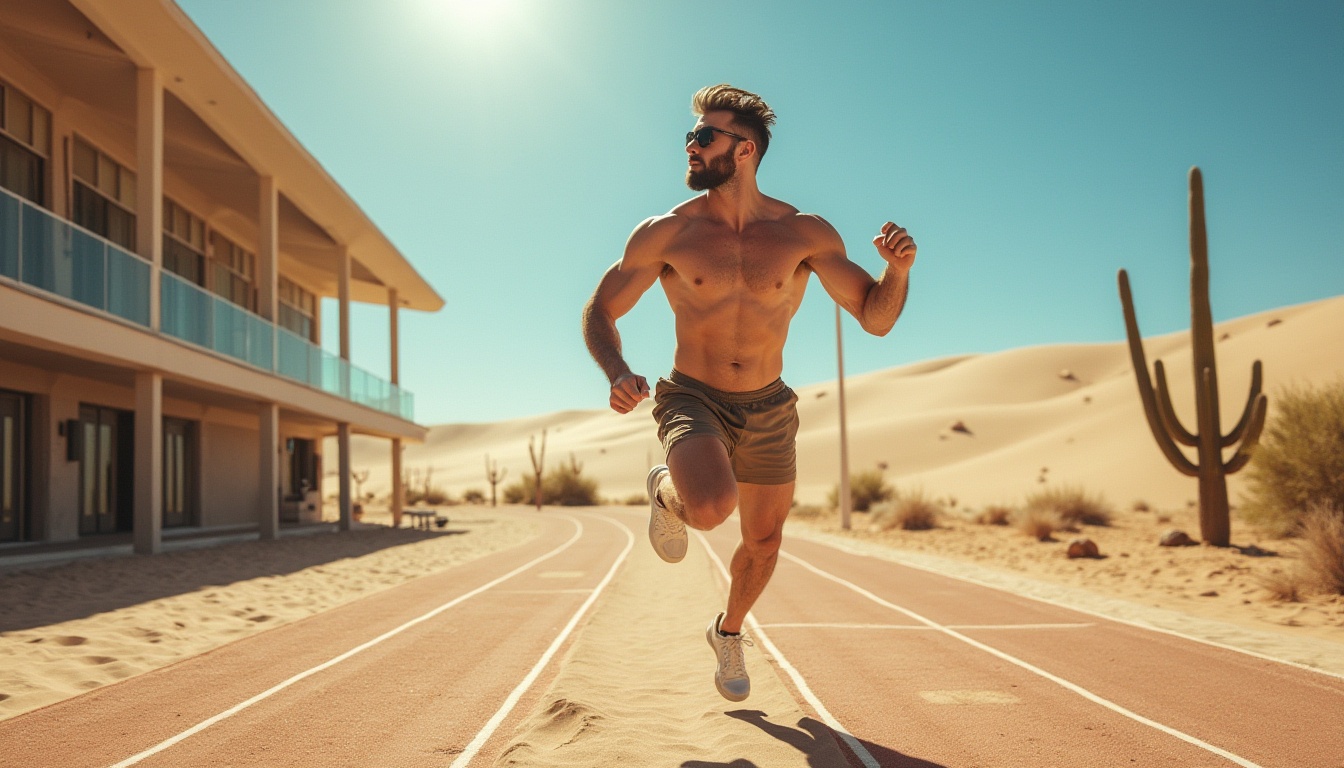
x=941 y=691
x=918 y=696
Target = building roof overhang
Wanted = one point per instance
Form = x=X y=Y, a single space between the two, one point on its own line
x=157 y=34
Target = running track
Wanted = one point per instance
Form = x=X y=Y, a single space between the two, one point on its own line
x=903 y=667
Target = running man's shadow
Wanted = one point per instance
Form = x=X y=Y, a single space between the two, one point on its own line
x=812 y=739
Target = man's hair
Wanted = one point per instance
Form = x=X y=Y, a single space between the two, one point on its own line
x=749 y=111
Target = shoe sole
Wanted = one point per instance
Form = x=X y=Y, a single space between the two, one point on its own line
x=651 y=485
x=729 y=695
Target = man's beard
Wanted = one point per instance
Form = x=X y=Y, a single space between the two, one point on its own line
x=713 y=174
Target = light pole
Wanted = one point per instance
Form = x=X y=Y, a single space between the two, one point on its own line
x=844 y=435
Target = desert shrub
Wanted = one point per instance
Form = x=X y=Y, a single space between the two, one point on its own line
x=994 y=514
x=1323 y=550
x=432 y=496
x=520 y=491
x=1037 y=522
x=865 y=489
x=1072 y=506
x=809 y=512
x=911 y=511
x=563 y=486
x=1299 y=463
x=473 y=496
x=636 y=500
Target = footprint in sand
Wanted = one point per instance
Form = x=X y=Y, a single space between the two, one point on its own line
x=98 y=660
x=261 y=618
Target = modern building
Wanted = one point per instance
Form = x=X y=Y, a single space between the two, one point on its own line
x=165 y=244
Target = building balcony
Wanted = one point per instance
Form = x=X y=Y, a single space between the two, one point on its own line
x=43 y=251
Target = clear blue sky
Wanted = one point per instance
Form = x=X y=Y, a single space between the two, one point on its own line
x=1033 y=149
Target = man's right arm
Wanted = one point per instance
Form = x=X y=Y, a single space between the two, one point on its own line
x=617 y=293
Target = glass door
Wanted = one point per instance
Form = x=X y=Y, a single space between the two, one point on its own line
x=179 y=473
x=13 y=471
x=103 y=502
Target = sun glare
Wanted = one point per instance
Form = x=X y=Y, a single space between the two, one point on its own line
x=474 y=18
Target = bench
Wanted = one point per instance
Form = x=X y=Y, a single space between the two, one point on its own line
x=423 y=518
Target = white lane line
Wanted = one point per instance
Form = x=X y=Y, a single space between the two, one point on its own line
x=1081 y=691
x=922 y=628
x=854 y=744
x=512 y=701
x=1075 y=608
x=226 y=714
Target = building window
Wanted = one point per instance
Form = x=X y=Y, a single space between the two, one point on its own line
x=183 y=243
x=235 y=272
x=104 y=195
x=25 y=145
x=297 y=308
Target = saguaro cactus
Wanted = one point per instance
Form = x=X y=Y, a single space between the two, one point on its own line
x=493 y=474
x=1209 y=442
x=538 y=463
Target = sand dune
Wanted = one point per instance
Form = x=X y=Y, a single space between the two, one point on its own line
x=1067 y=413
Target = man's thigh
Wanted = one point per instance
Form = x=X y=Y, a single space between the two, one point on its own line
x=701 y=470
x=763 y=509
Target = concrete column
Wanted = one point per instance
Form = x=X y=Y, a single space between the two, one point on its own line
x=343 y=461
x=149 y=180
x=343 y=273
x=268 y=249
x=148 y=463
x=59 y=194
x=268 y=506
x=398 y=491
x=392 y=307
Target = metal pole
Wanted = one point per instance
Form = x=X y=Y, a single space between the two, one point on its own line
x=844 y=435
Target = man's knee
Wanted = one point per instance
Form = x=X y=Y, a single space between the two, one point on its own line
x=708 y=512
x=763 y=543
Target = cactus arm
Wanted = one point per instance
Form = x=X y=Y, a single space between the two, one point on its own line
x=1168 y=414
x=1255 y=423
x=1164 y=441
x=1251 y=400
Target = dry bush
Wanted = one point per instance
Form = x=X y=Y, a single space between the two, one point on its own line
x=1323 y=550
x=995 y=514
x=1299 y=461
x=636 y=500
x=1038 y=522
x=473 y=496
x=1282 y=585
x=866 y=489
x=1073 y=506
x=914 y=511
x=809 y=512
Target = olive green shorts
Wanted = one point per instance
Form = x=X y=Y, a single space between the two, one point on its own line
x=758 y=428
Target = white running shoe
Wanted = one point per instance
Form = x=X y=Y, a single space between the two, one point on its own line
x=731 y=676
x=666 y=531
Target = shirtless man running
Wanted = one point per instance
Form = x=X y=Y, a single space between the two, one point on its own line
x=734 y=264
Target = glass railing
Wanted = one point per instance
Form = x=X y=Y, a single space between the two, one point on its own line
x=193 y=314
x=41 y=250
x=44 y=251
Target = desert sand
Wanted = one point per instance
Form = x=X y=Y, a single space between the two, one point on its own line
x=74 y=627
x=1037 y=417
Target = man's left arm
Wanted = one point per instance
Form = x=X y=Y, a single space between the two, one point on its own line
x=874 y=303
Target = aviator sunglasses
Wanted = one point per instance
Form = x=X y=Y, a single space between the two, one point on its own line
x=705 y=136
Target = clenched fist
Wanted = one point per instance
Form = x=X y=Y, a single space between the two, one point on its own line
x=627 y=390
x=896 y=246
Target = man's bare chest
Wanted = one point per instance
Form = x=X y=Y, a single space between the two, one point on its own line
x=758 y=263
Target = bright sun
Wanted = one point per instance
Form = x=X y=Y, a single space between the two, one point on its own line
x=474 y=17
